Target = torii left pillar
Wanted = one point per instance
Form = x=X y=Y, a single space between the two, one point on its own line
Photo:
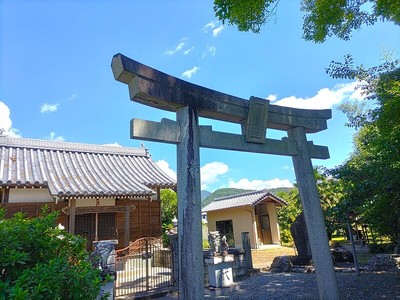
x=190 y=252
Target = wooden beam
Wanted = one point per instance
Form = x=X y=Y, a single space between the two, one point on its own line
x=157 y=89
x=94 y=209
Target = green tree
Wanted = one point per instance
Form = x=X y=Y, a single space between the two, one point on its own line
x=322 y=18
x=287 y=214
x=169 y=208
x=40 y=261
x=331 y=194
x=330 y=191
x=372 y=174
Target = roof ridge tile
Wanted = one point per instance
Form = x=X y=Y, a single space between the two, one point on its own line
x=70 y=146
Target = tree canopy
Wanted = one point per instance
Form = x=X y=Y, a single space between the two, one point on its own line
x=371 y=175
x=322 y=18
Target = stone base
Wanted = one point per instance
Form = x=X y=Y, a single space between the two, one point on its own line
x=220 y=271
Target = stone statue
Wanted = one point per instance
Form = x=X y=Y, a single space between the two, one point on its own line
x=213 y=241
x=224 y=246
x=102 y=252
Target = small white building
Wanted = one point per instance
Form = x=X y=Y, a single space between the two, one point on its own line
x=253 y=212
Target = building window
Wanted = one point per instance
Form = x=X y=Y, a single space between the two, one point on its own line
x=226 y=228
x=96 y=227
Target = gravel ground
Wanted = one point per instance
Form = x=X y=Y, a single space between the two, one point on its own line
x=267 y=285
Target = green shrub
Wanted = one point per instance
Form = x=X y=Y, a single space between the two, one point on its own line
x=40 y=261
x=381 y=248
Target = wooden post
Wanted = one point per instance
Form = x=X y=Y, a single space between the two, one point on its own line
x=318 y=238
x=191 y=269
x=127 y=235
x=72 y=206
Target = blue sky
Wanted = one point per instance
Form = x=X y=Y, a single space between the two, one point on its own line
x=56 y=80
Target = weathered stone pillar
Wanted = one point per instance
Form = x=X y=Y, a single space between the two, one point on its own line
x=318 y=238
x=247 y=250
x=173 y=243
x=191 y=270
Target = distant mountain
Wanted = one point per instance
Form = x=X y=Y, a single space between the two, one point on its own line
x=231 y=191
x=204 y=194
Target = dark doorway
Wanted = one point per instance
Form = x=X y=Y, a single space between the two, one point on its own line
x=226 y=228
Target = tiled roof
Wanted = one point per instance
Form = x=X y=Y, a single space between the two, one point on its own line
x=251 y=198
x=81 y=170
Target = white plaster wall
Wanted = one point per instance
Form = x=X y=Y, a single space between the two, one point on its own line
x=29 y=195
x=242 y=219
x=95 y=202
x=273 y=219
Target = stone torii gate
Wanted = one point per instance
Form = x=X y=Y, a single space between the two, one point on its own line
x=154 y=88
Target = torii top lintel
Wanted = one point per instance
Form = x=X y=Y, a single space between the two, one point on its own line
x=157 y=89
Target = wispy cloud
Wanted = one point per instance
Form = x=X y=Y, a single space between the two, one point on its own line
x=256 y=184
x=213 y=27
x=325 y=98
x=164 y=165
x=217 y=31
x=177 y=48
x=189 y=73
x=54 y=137
x=209 y=173
x=48 y=108
x=209 y=26
x=73 y=97
x=6 y=122
x=212 y=50
x=187 y=51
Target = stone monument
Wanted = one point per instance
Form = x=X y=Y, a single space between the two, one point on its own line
x=214 y=242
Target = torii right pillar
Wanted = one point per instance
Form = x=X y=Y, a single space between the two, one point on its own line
x=318 y=238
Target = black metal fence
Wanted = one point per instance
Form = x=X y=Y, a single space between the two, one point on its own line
x=145 y=266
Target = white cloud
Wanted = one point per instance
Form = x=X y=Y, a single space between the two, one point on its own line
x=209 y=25
x=6 y=123
x=164 y=165
x=47 y=108
x=209 y=173
x=216 y=31
x=189 y=73
x=272 y=97
x=73 y=97
x=176 y=49
x=115 y=144
x=54 y=137
x=212 y=50
x=213 y=27
x=325 y=98
x=187 y=51
x=256 y=184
